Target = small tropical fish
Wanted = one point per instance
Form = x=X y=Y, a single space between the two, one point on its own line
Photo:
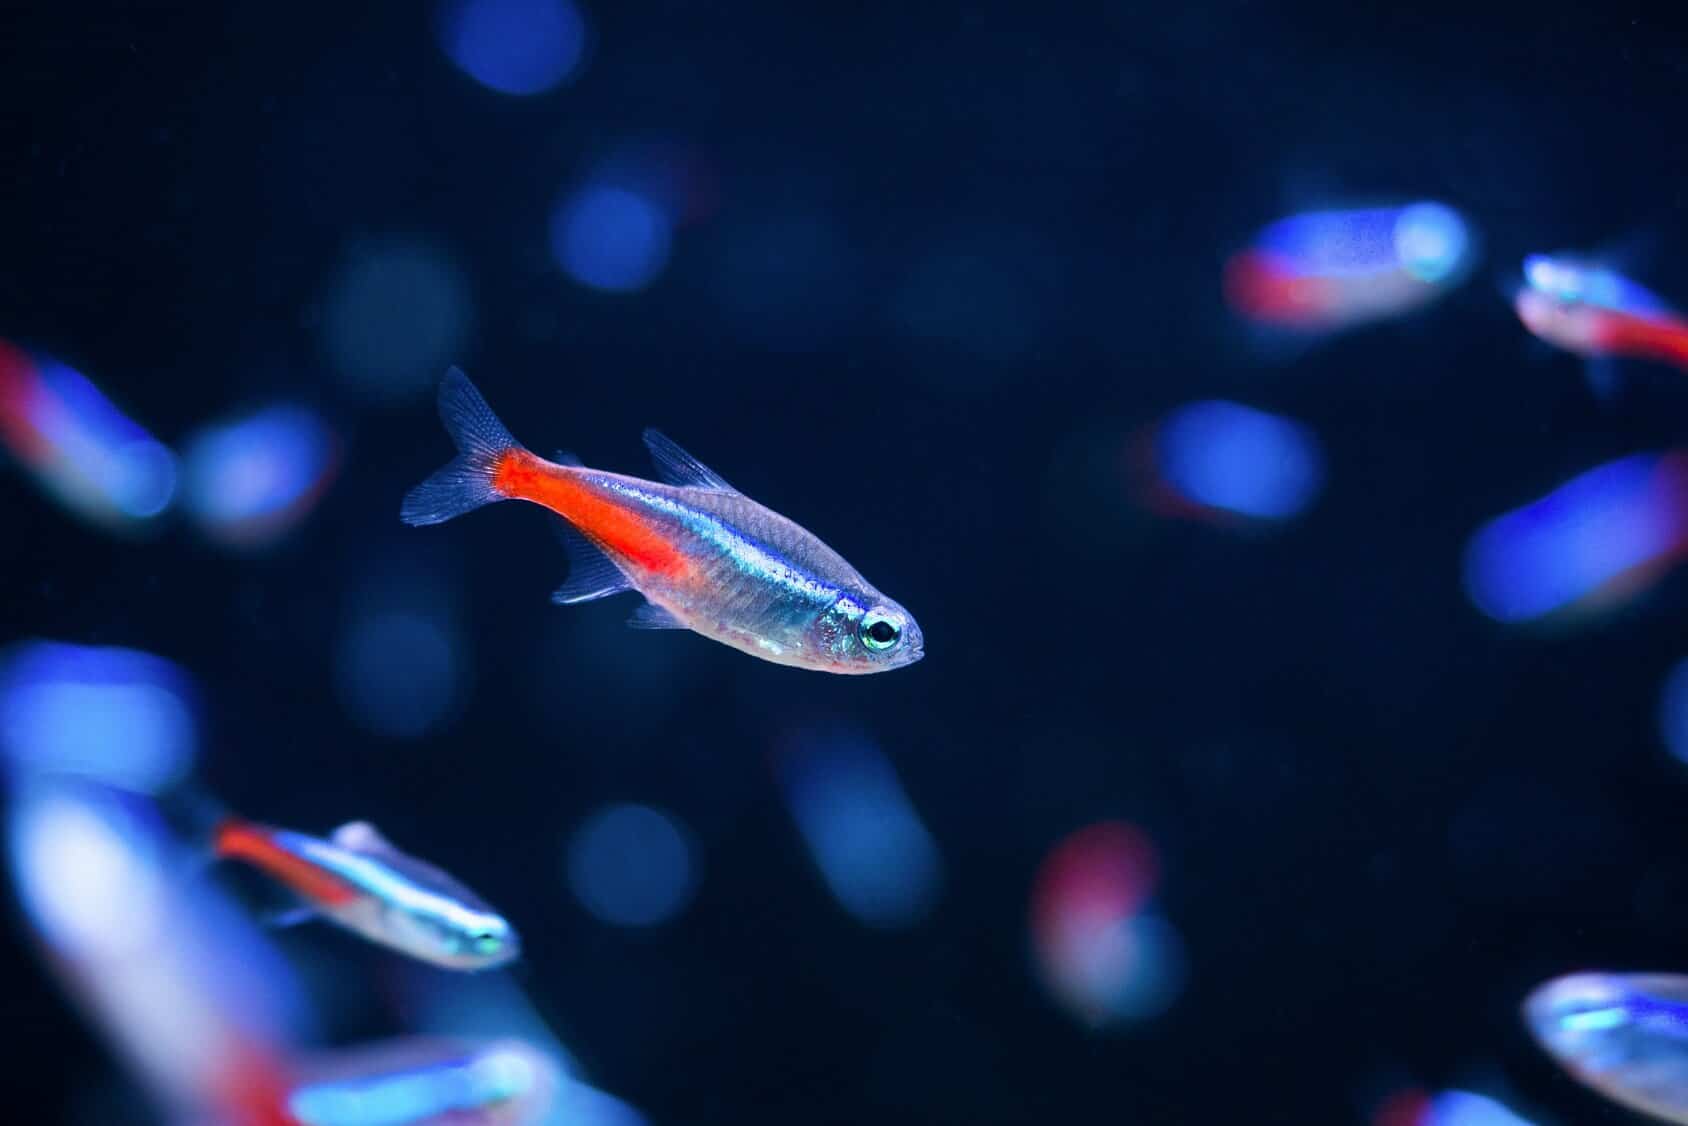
x=423 y=1082
x=1623 y=1035
x=358 y=880
x=1322 y=271
x=1592 y=311
x=705 y=556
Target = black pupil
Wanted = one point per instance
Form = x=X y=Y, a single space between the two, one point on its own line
x=882 y=632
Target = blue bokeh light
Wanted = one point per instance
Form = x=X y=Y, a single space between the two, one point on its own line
x=1238 y=459
x=102 y=461
x=611 y=238
x=175 y=975
x=398 y=672
x=120 y=716
x=491 y=1005
x=506 y=1079
x=1575 y=281
x=1428 y=241
x=88 y=876
x=1467 y=1108
x=247 y=480
x=1570 y=544
x=875 y=855
x=632 y=866
x=1431 y=241
x=1334 y=242
x=518 y=47
x=1673 y=711
x=394 y=316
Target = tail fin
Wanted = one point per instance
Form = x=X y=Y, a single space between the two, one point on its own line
x=466 y=482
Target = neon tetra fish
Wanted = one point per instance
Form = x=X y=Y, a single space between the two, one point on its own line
x=1592 y=311
x=358 y=880
x=1624 y=1035
x=705 y=556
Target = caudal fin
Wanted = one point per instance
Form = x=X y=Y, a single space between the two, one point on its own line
x=466 y=482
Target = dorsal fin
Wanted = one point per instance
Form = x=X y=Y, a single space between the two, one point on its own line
x=360 y=836
x=678 y=467
x=566 y=457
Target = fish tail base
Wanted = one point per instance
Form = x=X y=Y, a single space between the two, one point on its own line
x=470 y=480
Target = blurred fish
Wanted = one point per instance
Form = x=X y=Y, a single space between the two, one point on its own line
x=249 y=480
x=421 y=1081
x=202 y=1010
x=99 y=463
x=1624 y=1035
x=1322 y=271
x=1596 y=542
x=1595 y=312
x=706 y=557
x=364 y=884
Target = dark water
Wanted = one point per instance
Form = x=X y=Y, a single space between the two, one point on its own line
x=912 y=275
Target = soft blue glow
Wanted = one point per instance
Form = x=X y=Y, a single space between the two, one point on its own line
x=1573 y=281
x=99 y=449
x=394 y=316
x=862 y=832
x=1673 y=711
x=478 y=1082
x=1150 y=971
x=169 y=969
x=116 y=715
x=1465 y=1108
x=1594 y=1020
x=611 y=238
x=1109 y=969
x=247 y=479
x=490 y=1004
x=1427 y=240
x=1334 y=242
x=1566 y=546
x=398 y=673
x=516 y=47
x=632 y=866
x=1431 y=242
x=87 y=875
x=1228 y=456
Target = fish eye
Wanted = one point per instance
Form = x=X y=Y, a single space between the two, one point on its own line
x=879 y=631
x=485 y=942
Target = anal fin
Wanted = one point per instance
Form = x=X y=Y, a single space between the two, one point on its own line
x=1603 y=378
x=592 y=574
x=288 y=917
x=652 y=616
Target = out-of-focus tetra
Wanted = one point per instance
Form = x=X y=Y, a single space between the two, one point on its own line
x=359 y=881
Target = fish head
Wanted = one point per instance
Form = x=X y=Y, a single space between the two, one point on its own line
x=1557 y=303
x=1581 y=1018
x=455 y=936
x=1572 y=326
x=863 y=632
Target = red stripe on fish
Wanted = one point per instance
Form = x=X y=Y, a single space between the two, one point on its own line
x=609 y=523
x=239 y=840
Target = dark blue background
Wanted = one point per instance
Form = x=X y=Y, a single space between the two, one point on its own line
x=1382 y=817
